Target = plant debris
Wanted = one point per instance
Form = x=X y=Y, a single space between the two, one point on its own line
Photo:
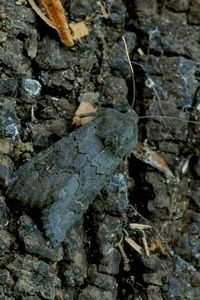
x=81 y=116
x=87 y=265
x=147 y=155
x=57 y=20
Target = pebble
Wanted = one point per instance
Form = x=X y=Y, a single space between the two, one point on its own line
x=93 y=292
x=31 y=88
x=193 y=15
x=103 y=281
x=34 y=242
x=34 y=278
x=6 y=146
x=9 y=125
x=3 y=36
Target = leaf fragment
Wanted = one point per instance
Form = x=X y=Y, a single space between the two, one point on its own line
x=56 y=14
x=158 y=245
x=133 y=244
x=40 y=14
x=147 y=155
x=79 y=30
x=57 y=20
x=80 y=117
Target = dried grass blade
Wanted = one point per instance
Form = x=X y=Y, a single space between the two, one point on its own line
x=144 y=241
x=133 y=244
x=139 y=226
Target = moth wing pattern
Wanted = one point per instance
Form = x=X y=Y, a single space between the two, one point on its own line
x=64 y=179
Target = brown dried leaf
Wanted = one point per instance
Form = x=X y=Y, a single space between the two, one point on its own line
x=40 y=14
x=56 y=14
x=58 y=21
x=84 y=108
x=79 y=30
x=144 y=153
x=158 y=245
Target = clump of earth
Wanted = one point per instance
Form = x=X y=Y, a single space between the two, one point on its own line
x=42 y=83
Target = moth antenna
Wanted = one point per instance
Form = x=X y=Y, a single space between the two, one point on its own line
x=170 y=117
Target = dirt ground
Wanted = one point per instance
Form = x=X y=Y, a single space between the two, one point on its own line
x=42 y=84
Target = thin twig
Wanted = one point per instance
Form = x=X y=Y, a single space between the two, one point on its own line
x=123 y=254
x=170 y=117
x=131 y=68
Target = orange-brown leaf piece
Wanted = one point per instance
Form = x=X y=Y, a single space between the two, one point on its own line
x=84 y=108
x=79 y=30
x=158 y=245
x=56 y=14
x=40 y=14
x=144 y=153
x=133 y=244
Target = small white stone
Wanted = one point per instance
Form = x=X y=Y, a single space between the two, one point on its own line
x=32 y=87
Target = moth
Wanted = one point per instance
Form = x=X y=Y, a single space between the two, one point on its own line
x=63 y=180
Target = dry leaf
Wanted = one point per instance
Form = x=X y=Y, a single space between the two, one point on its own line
x=56 y=14
x=84 y=108
x=79 y=30
x=144 y=153
x=40 y=14
x=133 y=244
x=157 y=245
x=142 y=227
x=58 y=21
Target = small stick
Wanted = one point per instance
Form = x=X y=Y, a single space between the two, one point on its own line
x=131 y=67
x=123 y=254
x=144 y=241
